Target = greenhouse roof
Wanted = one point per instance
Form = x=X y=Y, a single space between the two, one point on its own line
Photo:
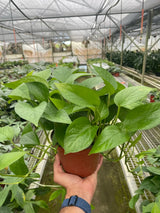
x=76 y=20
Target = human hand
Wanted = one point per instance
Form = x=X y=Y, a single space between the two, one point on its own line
x=75 y=185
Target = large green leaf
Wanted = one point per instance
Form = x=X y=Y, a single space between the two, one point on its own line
x=143 y=117
x=74 y=76
x=91 y=82
x=131 y=97
x=26 y=79
x=11 y=180
x=9 y=158
x=54 y=115
x=62 y=73
x=79 y=135
x=38 y=91
x=19 y=167
x=79 y=95
x=45 y=74
x=109 y=138
x=29 y=113
x=6 y=133
x=30 y=138
x=21 y=92
x=109 y=80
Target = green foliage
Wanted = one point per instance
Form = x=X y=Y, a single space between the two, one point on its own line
x=80 y=116
x=151 y=182
x=135 y=60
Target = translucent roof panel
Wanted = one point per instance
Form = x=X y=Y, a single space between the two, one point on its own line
x=71 y=19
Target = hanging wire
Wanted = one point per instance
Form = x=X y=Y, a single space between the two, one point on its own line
x=104 y=16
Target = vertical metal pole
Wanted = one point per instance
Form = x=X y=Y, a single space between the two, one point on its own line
x=146 y=45
x=111 y=48
x=123 y=39
x=52 y=50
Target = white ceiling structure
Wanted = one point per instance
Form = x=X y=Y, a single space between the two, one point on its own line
x=76 y=20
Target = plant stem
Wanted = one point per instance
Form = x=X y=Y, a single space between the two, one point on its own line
x=118 y=111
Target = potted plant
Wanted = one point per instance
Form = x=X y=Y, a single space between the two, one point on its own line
x=154 y=96
x=114 y=71
x=82 y=117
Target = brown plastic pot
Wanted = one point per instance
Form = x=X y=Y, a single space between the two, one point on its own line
x=79 y=163
x=116 y=74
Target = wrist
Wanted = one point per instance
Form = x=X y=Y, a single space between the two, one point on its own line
x=77 y=203
x=79 y=193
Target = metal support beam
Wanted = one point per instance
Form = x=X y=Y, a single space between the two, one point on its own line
x=153 y=45
x=123 y=39
x=111 y=48
x=125 y=33
x=69 y=16
x=146 y=44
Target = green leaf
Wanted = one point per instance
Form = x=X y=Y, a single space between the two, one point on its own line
x=60 y=104
x=143 y=117
x=28 y=207
x=46 y=124
x=91 y=82
x=30 y=138
x=20 y=93
x=45 y=74
x=27 y=128
x=109 y=80
x=26 y=79
x=9 y=158
x=5 y=209
x=154 y=170
x=62 y=73
x=60 y=130
x=41 y=204
x=103 y=108
x=38 y=91
x=79 y=135
x=55 y=194
x=147 y=184
x=6 y=133
x=148 y=208
x=29 y=113
x=4 y=194
x=131 y=97
x=18 y=195
x=110 y=137
x=19 y=167
x=74 y=76
x=79 y=95
x=133 y=201
x=54 y=115
x=155 y=208
x=11 y=180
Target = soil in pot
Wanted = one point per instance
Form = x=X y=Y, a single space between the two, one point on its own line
x=79 y=163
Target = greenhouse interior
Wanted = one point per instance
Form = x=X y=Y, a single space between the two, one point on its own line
x=80 y=84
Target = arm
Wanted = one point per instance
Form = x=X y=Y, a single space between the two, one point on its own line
x=75 y=185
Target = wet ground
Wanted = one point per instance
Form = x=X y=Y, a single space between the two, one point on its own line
x=111 y=196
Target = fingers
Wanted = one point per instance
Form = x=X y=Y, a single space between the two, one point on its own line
x=57 y=168
x=100 y=163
